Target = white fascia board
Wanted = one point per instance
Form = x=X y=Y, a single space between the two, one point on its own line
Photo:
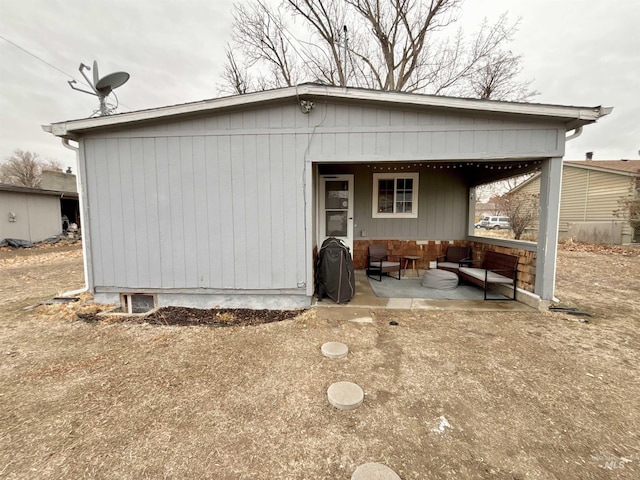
x=588 y=114
x=65 y=128
x=582 y=115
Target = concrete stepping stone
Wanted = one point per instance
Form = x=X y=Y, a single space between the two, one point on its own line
x=374 y=471
x=334 y=350
x=345 y=395
x=362 y=320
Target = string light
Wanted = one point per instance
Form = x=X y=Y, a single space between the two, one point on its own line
x=462 y=165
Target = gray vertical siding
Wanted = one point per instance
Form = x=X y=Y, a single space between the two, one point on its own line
x=442 y=205
x=364 y=137
x=37 y=216
x=218 y=202
x=187 y=207
x=347 y=133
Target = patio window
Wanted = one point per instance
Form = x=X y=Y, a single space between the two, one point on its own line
x=395 y=195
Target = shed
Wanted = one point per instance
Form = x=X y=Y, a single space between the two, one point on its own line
x=591 y=194
x=32 y=214
x=223 y=202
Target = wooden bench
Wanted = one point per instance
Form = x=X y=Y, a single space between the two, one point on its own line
x=496 y=268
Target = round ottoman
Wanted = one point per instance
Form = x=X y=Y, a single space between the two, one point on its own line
x=440 y=279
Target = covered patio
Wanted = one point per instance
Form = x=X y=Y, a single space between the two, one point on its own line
x=401 y=170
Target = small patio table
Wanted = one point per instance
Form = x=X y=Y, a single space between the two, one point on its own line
x=411 y=259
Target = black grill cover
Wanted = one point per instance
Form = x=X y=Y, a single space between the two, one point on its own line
x=334 y=274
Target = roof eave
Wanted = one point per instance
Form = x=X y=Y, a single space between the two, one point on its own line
x=585 y=164
x=573 y=117
x=5 y=187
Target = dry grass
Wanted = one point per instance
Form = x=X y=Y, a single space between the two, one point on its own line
x=536 y=395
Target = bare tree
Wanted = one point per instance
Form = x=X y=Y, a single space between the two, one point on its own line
x=235 y=77
x=523 y=210
x=497 y=77
x=258 y=39
x=492 y=190
x=392 y=45
x=630 y=211
x=24 y=168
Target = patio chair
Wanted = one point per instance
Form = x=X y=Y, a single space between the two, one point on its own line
x=456 y=257
x=379 y=263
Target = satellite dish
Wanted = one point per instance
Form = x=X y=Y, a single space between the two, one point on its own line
x=96 y=76
x=110 y=82
x=101 y=87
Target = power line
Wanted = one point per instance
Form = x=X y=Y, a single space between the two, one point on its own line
x=49 y=64
x=36 y=57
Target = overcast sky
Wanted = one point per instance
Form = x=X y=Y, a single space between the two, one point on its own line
x=579 y=52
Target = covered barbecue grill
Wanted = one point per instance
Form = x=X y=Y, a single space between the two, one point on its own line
x=334 y=273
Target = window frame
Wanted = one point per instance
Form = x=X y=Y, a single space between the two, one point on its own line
x=415 y=176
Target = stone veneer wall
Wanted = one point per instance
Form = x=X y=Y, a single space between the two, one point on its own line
x=431 y=249
x=526 y=263
x=428 y=250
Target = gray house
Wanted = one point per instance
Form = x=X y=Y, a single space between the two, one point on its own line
x=224 y=202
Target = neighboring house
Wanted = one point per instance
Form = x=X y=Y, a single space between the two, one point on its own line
x=591 y=190
x=59 y=181
x=485 y=209
x=32 y=214
x=66 y=183
x=223 y=202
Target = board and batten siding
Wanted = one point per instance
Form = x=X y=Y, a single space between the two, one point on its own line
x=188 y=205
x=219 y=201
x=354 y=138
x=442 y=204
x=359 y=134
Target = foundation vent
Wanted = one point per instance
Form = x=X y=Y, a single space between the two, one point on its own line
x=138 y=303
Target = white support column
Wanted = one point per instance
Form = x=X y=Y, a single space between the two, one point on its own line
x=471 y=219
x=550 y=190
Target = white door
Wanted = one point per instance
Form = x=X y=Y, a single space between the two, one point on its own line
x=336 y=208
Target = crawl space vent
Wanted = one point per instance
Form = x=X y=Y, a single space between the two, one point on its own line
x=139 y=303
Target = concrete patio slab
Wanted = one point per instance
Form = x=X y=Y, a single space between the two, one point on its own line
x=399 y=304
x=366 y=299
x=467 y=305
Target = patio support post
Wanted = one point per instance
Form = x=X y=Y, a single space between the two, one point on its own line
x=471 y=220
x=550 y=189
x=310 y=179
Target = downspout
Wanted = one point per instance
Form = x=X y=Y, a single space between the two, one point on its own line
x=66 y=144
x=601 y=112
x=576 y=133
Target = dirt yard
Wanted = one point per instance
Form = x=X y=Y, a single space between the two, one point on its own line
x=448 y=394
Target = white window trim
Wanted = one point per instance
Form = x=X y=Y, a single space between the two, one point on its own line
x=394 y=176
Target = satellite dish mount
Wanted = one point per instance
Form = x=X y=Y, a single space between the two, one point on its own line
x=101 y=87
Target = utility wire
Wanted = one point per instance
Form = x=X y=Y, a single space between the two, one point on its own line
x=49 y=64
x=35 y=56
x=41 y=60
